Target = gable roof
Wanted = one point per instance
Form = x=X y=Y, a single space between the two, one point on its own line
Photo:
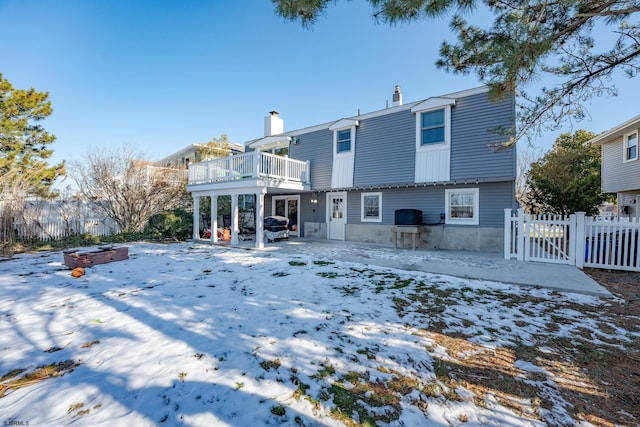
x=616 y=132
x=447 y=99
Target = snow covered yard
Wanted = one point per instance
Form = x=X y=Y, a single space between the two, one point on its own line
x=188 y=334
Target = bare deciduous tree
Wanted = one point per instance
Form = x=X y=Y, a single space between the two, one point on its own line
x=126 y=189
x=527 y=154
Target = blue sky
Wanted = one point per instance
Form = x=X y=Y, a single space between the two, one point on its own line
x=159 y=75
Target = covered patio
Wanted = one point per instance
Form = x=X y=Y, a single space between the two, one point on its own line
x=255 y=173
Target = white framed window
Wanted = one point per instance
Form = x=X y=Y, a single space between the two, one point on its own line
x=371 y=207
x=344 y=136
x=432 y=127
x=433 y=124
x=343 y=140
x=631 y=146
x=462 y=206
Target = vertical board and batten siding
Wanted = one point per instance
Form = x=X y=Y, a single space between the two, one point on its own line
x=317 y=148
x=385 y=149
x=494 y=197
x=618 y=175
x=472 y=119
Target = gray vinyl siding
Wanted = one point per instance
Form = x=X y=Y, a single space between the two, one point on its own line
x=310 y=212
x=317 y=148
x=385 y=146
x=493 y=199
x=385 y=150
x=618 y=175
x=472 y=121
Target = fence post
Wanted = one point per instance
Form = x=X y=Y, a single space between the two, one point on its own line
x=577 y=239
x=507 y=233
x=522 y=228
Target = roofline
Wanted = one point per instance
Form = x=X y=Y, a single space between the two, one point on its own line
x=614 y=132
x=377 y=113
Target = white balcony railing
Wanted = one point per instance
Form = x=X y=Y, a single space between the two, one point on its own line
x=256 y=164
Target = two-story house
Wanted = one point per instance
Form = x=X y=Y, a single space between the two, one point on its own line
x=620 y=170
x=440 y=159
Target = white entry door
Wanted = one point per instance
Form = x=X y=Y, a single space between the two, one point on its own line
x=337 y=216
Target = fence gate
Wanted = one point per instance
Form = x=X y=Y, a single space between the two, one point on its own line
x=573 y=239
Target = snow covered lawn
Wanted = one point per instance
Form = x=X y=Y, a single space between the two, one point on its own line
x=194 y=335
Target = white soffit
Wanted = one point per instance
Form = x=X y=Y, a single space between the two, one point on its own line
x=269 y=142
x=343 y=124
x=433 y=103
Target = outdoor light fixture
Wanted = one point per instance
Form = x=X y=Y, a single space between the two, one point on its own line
x=314 y=198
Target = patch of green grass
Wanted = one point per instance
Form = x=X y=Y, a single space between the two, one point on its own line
x=323 y=262
x=327 y=274
x=11 y=374
x=399 y=284
x=267 y=365
x=280 y=274
x=377 y=394
x=367 y=352
x=301 y=389
x=326 y=370
x=297 y=263
x=278 y=410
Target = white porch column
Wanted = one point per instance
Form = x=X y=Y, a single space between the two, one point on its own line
x=214 y=218
x=260 y=220
x=196 y=217
x=234 y=219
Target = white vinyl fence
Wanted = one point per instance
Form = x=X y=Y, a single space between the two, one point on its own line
x=572 y=239
x=56 y=230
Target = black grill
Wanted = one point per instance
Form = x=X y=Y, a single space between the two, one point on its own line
x=408 y=217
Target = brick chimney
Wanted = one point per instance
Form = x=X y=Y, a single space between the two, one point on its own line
x=397 y=96
x=273 y=125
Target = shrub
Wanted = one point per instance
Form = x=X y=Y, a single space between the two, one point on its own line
x=176 y=224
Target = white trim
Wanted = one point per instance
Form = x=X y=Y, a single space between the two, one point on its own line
x=475 y=220
x=370 y=219
x=625 y=146
x=352 y=142
x=615 y=132
x=342 y=194
x=447 y=130
x=269 y=142
x=435 y=103
x=343 y=124
x=286 y=199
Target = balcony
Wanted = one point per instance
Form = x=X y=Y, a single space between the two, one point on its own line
x=257 y=165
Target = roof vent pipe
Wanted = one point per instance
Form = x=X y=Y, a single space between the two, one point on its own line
x=397 y=96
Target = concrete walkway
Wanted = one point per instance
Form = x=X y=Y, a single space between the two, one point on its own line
x=472 y=265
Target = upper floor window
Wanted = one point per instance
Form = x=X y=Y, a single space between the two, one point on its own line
x=432 y=127
x=631 y=146
x=433 y=124
x=344 y=136
x=343 y=140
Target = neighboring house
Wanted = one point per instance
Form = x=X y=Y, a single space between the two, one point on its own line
x=183 y=158
x=346 y=179
x=621 y=166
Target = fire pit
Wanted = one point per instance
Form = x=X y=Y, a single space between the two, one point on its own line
x=104 y=254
